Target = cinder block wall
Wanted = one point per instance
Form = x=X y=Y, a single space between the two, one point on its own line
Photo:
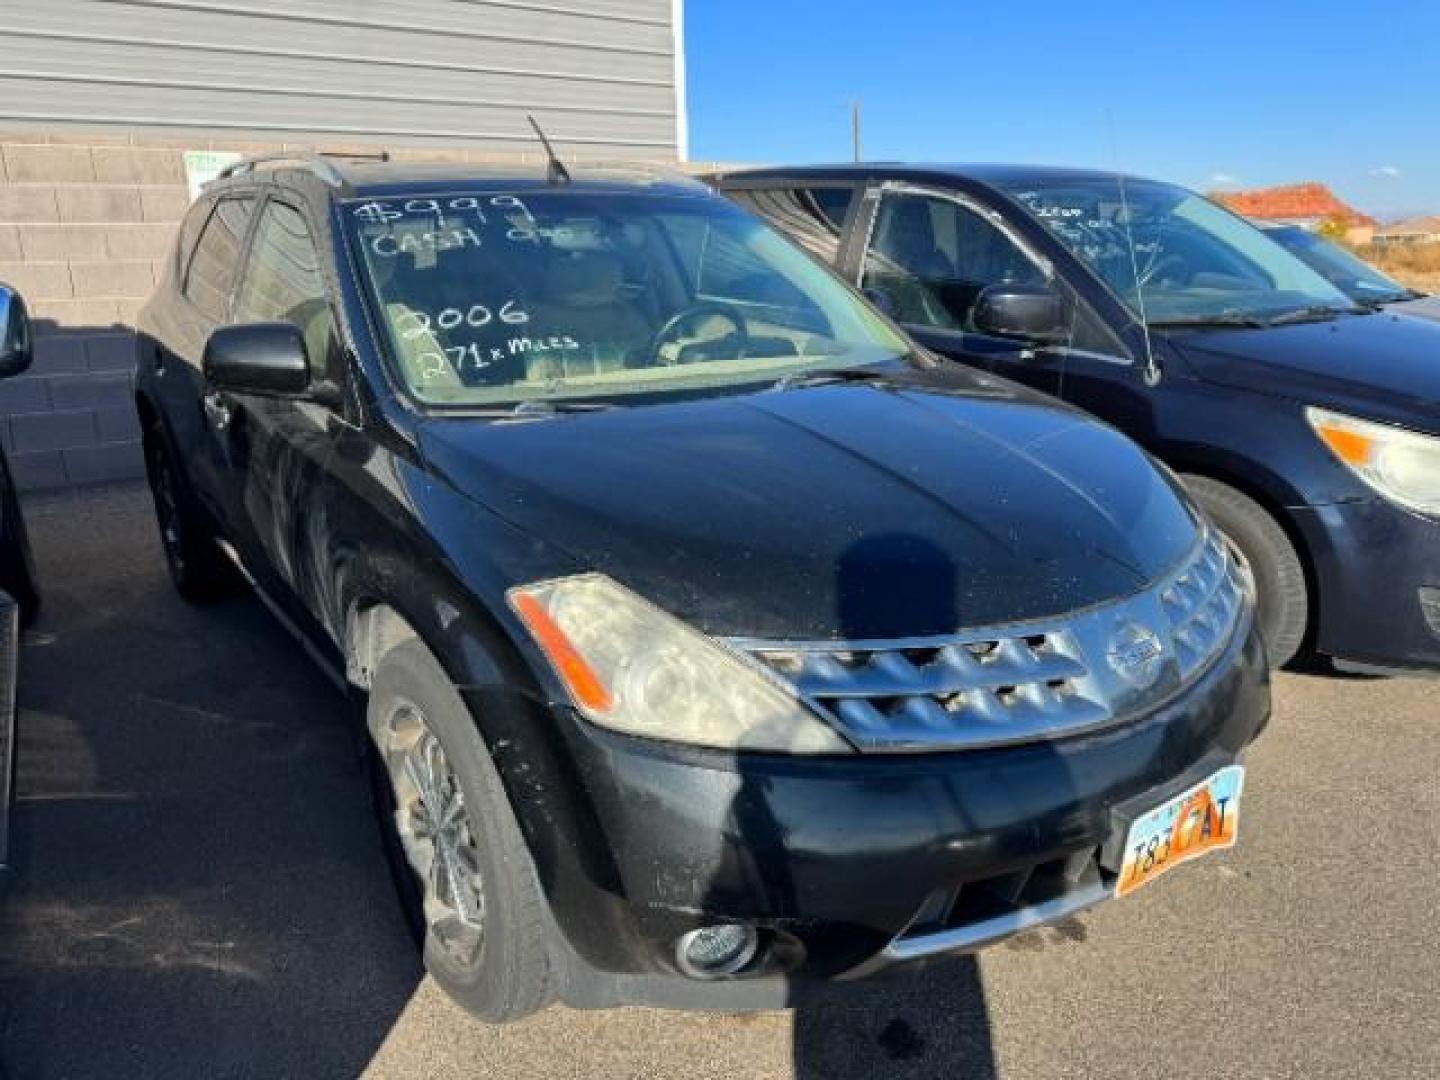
x=85 y=223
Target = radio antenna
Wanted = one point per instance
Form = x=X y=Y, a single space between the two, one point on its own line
x=1152 y=369
x=555 y=171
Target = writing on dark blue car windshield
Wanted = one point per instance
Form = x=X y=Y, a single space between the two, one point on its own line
x=1173 y=256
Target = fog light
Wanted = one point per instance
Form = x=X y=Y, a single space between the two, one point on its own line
x=713 y=951
x=1430 y=605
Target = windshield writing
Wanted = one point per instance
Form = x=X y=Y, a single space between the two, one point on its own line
x=502 y=298
x=1173 y=256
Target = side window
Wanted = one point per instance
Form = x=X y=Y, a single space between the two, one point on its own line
x=284 y=283
x=1088 y=333
x=933 y=257
x=812 y=217
x=210 y=274
x=194 y=220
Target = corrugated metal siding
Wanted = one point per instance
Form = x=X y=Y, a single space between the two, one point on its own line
x=599 y=74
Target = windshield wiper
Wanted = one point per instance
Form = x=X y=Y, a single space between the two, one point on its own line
x=537 y=409
x=1314 y=313
x=1224 y=318
x=1375 y=303
x=1379 y=303
x=821 y=376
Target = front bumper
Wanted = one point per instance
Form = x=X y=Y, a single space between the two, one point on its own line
x=836 y=859
x=1372 y=560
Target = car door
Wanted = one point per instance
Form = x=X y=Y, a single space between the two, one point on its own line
x=209 y=254
x=275 y=450
x=927 y=259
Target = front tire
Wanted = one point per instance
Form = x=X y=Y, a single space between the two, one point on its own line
x=1283 y=597
x=461 y=853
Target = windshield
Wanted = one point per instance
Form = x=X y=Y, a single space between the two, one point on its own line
x=494 y=299
x=1174 y=257
x=1349 y=273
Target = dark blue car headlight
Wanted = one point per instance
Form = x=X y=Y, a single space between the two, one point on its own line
x=1402 y=465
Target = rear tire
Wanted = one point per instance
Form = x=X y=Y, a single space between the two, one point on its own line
x=461 y=853
x=199 y=570
x=1283 y=597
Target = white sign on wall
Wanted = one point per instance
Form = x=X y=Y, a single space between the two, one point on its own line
x=202 y=166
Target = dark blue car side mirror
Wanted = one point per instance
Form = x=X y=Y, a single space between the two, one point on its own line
x=1028 y=312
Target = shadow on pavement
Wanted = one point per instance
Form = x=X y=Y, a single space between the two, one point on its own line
x=200 y=889
x=932 y=1022
x=928 y=1021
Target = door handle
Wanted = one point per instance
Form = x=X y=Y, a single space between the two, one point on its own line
x=217 y=411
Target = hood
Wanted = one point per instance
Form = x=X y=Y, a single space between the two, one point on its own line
x=1423 y=307
x=841 y=511
x=1383 y=366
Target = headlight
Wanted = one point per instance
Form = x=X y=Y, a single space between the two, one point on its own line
x=633 y=668
x=1401 y=465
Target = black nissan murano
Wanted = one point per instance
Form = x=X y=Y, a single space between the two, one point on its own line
x=714 y=641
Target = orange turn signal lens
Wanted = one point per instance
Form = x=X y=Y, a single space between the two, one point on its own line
x=1349 y=446
x=579 y=677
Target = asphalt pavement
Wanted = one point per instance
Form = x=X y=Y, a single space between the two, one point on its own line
x=200 y=891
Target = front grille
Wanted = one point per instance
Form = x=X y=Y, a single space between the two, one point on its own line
x=1032 y=681
x=1201 y=605
x=1024 y=686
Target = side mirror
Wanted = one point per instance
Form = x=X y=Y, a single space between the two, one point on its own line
x=258 y=358
x=16 y=350
x=1032 y=312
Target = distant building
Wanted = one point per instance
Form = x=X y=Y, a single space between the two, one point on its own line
x=1419 y=230
x=1308 y=205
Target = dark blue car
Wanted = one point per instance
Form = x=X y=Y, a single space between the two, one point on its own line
x=1352 y=275
x=1306 y=423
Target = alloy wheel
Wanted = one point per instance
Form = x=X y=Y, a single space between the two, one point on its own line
x=435 y=833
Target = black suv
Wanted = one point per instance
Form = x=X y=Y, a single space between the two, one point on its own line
x=1303 y=422
x=710 y=647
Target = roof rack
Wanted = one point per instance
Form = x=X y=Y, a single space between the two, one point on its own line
x=321 y=163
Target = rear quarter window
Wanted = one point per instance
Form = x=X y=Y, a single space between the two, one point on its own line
x=214 y=264
x=813 y=217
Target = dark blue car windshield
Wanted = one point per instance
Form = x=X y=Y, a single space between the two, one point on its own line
x=1173 y=256
x=1349 y=273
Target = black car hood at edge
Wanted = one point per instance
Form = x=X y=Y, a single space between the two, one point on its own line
x=1381 y=366
x=841 y=511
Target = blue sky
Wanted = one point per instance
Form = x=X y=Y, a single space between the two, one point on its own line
x=1209 y=94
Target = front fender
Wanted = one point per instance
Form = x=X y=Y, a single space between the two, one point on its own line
x=445 y=583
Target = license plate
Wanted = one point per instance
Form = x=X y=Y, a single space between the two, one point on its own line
x=1204 y=818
